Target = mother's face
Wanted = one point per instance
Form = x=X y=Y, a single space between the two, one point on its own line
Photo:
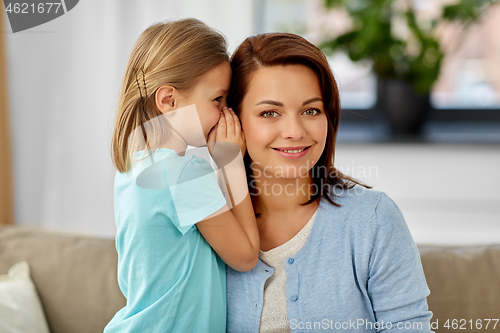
x=284 y=121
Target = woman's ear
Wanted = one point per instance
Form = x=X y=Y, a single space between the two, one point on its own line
x=166 y=98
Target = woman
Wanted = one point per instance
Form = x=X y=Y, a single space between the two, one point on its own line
x=335 y=255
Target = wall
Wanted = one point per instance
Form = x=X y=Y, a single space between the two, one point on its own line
x=64 y=82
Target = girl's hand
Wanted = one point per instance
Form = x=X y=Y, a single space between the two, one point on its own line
x=227 y=130
x=232 y=234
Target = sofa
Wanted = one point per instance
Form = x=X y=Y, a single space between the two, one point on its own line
x=75 y=276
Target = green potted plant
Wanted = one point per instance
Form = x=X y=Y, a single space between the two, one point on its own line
x=406 y=65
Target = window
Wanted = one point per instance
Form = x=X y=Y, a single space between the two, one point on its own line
x=470 y=73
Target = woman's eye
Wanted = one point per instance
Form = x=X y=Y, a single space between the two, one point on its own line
x=218 y=99
x=269 y=114
x=311 y=112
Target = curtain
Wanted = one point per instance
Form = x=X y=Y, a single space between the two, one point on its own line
x=6 y=192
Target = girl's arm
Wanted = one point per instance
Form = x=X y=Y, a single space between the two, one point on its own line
x=233 y=233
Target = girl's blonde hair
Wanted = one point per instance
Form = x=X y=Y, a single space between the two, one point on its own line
x=175 y=53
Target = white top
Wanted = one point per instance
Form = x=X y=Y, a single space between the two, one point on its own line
x=274 y=316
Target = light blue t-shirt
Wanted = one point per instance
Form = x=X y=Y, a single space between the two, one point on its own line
x=172 y=279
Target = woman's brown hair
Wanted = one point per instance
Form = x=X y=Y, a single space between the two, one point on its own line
x=275 y=49
x=175 y=53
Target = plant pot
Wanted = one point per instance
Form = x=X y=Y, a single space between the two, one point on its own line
x=405 y=110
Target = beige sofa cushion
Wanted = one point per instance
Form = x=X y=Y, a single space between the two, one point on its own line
x=75 y=276
x=464 y=283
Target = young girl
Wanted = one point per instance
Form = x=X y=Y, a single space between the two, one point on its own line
x=170 y=213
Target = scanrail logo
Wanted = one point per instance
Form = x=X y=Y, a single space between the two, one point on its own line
x=26 y=14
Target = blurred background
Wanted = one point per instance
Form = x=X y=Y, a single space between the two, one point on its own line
x=437 y=156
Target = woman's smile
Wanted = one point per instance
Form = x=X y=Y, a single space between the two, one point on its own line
x=292 y=152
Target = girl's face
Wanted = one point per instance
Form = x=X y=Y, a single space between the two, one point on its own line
x=284 y=121
x=209 y=96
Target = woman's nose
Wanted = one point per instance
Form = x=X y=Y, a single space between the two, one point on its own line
x=293 y=128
